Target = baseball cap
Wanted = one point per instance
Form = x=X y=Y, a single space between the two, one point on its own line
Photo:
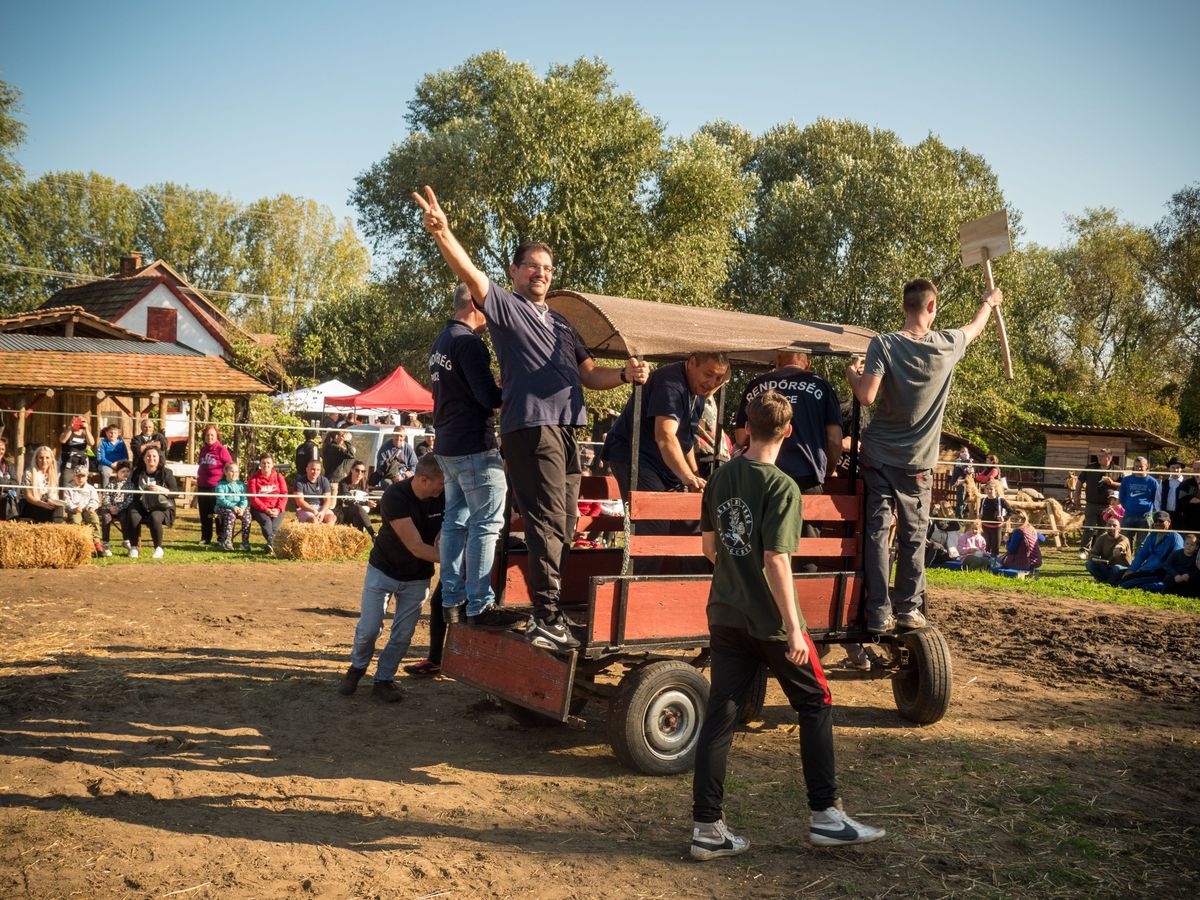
x=79 y=470
x=1162 y=516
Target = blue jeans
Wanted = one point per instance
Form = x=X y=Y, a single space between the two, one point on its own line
x=475 y=489
x=409 y=595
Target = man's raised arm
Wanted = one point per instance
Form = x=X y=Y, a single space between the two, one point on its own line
x=991 y=300
x=436 y=223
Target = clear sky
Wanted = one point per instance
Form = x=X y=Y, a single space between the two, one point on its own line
x=1073 y=104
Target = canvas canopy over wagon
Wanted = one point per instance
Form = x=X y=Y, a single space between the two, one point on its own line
x=655 y=627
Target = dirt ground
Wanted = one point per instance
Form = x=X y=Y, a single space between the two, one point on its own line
x=160 y=738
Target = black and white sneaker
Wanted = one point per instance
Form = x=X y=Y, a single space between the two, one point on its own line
x=550 y=634
x=833 y=828
x=713 y=839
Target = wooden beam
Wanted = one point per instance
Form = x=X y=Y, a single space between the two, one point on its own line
x=21 y=416
x=191 y=438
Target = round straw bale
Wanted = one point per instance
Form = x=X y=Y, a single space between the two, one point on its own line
x=24 y=545
x=300 y=540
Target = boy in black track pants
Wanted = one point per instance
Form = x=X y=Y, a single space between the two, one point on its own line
x=750 y=521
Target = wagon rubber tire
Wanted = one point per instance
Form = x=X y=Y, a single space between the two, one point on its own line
x=752 y=707
x=922 y=685
x=655 y=716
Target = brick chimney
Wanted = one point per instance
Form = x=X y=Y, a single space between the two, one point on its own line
x=130 y=264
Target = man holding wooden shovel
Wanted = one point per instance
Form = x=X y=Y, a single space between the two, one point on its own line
x=908 y=372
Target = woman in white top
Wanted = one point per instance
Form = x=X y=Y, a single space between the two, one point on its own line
x=40 y=498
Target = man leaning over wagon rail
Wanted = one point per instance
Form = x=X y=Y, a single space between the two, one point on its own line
x=544 y=367
x=672 y=401
x=909 y=373
x=750 y=521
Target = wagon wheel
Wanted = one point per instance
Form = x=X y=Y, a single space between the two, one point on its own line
x=752 y=707
x=655 y=716
x=922 y=683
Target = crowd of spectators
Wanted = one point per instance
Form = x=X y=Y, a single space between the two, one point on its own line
x=128 y=483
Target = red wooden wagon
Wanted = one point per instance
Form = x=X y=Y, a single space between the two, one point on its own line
x=654 y=628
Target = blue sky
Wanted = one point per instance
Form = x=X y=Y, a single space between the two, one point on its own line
x=1073 y=104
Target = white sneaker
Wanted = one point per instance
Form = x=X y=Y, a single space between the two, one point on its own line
x=713 y=839
x=107 y=550
x=833 y=828
x=133 y=553
x=125 y=544
x=158 y=554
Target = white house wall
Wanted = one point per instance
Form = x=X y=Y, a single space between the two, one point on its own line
x=188 y=330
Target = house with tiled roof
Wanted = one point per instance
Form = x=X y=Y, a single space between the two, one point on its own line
x=60 y=362
x=156 y=301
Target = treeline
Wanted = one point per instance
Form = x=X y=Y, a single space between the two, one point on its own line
x=824 y=221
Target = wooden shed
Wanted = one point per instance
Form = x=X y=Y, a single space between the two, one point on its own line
x=1075 y=446
x=59 y=363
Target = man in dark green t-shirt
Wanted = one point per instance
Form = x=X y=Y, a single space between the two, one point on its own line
x=750 y=520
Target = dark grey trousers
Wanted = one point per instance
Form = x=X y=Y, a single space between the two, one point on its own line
x=1092 y=523
x=543 y=469
x=902 y=495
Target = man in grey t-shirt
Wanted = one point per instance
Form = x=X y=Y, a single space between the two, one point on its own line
x=907 y=375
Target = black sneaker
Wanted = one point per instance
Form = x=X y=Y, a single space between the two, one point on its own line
x=550 y=634
x=494 y=618
x=350 y=681
x=453 y=615
x=387 y=692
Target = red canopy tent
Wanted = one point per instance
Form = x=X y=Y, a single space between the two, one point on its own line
x=398 y=391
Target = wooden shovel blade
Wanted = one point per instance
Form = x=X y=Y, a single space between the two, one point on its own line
x=990 y=233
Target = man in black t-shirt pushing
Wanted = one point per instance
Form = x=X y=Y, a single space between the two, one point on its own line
x=400 y=566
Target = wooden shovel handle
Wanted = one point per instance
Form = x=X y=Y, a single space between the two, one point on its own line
x=991 y=284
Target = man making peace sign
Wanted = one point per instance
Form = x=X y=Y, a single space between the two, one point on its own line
x=543 y=370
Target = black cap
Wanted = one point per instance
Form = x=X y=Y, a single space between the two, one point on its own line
x=1162 y=516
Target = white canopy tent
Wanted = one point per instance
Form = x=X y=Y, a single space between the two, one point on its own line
x=310 y=401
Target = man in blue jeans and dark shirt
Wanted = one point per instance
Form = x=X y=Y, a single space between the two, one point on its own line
x=400 y=566
x=544 y=368
x=465 y=397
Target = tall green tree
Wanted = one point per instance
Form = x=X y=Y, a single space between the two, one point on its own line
x=296 y=253
x=12 y=134
x=566 y=159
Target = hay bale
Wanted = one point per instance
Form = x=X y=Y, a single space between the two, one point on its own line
x=24 y=545
x=302 y=540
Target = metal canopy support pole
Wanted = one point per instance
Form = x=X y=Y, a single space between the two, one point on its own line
x=635 y=442
x=719 y=434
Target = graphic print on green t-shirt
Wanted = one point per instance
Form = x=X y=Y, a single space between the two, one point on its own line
x=752 y=508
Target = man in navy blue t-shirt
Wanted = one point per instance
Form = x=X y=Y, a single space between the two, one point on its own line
x=544 y=368
x=811 y=453
x=672 y=402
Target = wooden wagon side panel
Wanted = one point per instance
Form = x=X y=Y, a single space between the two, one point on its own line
x=505 y=664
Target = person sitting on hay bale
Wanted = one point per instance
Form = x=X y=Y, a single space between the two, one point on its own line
x=354 y=503
x=232 y=506
x=40 y=500
x=80 y=503
x=113 y=503
x=314 y=496
x=154 y=505
x=400 y=567
x=1110 y=553
x=1022 y=551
